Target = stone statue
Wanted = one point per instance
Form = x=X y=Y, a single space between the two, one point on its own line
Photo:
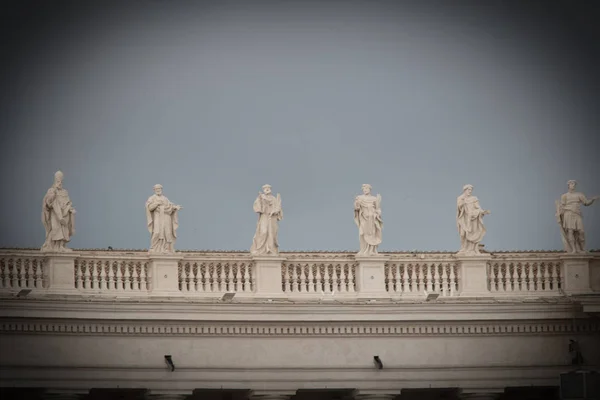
x=568 y=215
x=269 y=212
x=367 y=216
x=161 y=217
x=469 y=220
x=58 y=216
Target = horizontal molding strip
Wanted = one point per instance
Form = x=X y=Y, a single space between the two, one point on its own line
x=295 y=329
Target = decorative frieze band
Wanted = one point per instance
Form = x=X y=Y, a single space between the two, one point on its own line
x=329 y=329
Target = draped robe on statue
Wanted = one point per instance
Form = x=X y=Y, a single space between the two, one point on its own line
x=469 y=220
x=57 y=218
x=367 y=215
x=161 y=216
x=265 y=238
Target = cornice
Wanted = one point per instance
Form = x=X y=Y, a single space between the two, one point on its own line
x=193 y=310
x=287 y=329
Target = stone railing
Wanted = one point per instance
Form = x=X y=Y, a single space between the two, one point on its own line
x=22 y=271
x=104 y=273
x=206 y=275
x=525 y=276
x=310 y=275
x=314 y=275
x=415 y=277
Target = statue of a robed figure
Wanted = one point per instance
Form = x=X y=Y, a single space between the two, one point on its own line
x=58 y=216
x=367 y=216
x=570 y=220
x=162 y=221
x=268 y=208
x=469 y=221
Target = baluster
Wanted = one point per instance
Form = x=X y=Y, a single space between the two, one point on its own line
x=451 y=278
x=558 y=275
x=111 y=276
x=519 y=270
x=503 y=279
x=285 y=281
x=409 y=278
x=136 y=282
x=244 y=276
x=85 y=274
x=227 y=276
x=443 y=280
x=184 y=277
x=129 y=275
x=210 y=280
x=202 y=277
x=293 y=275
x=196 y=280
x=499 y=278
x=330 y=273
x=12 y=273
x=303 y=278
x=28 y=273
x=352 y=277
x=143 y=276
x=311 y=278
x=79 y=271
x=120 y=275
x=37 y=273
x=94 y=273
x=325 y=278
x=403 y=268
x=446 y=282
x=511 y=276
x=220 y=277
x=418 y=279
x=535 y=284
x=544 y=277
x=344 y=278
x=527 y=269
x=338 y=279
x=235 y=269
x=432 y=278
x=390 y=275
x=20 y=273
x=3 y=273
x=232 y=279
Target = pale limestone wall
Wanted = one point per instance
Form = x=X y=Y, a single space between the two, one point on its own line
x=491 y=362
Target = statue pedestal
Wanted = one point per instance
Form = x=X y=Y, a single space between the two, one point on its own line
x=164 y=275
x=268 y=276
x=60 y=272
x=371 y=277
x=576 y=273
x=473 y=275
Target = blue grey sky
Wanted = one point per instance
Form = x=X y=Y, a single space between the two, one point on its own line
x=215 y=99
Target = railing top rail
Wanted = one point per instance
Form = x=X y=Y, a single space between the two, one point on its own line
x=298 y=256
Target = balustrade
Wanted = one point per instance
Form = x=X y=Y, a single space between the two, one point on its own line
x=22 y=272
x=216 y=276
x=317 y=277
x=298 y=274
x=110 y=275
x=417 y=277
x=524 y=276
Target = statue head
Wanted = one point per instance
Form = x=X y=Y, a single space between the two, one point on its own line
x=572 y=184
x=366 y=188
x=468 y=189
x=58 y=178
x=266 y=189
x=158 y=189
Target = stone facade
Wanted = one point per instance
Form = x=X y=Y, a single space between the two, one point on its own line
x=280 y=326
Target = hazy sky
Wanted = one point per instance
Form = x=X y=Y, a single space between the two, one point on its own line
x=214 y=99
